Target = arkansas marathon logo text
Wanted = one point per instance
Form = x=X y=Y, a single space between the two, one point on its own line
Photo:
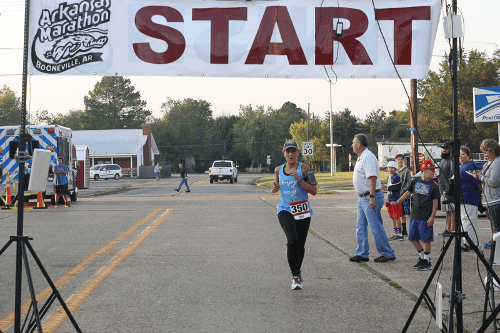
x=69 y=36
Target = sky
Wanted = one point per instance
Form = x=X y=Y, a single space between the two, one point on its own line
x=59 y=94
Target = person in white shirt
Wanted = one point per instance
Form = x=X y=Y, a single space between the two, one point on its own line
x=366 y=179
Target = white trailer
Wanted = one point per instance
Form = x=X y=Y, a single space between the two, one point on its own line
x=388 y=151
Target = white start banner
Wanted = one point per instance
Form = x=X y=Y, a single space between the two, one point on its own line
x=215 y=38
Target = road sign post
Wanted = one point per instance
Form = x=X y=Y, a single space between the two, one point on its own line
x=307 y=148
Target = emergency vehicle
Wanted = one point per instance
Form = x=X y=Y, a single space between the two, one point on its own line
x=55 y=138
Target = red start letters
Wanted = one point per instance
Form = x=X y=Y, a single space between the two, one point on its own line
x=279 y=16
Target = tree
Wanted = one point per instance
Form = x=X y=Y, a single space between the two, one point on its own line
x=114 y=104
x=435 y=114
x=10 y=107
x=345 y=126
x=387 y=127
x=319 y=133
x=222 y=136
x=250 y=133
x=261 y=132
x=74 y=119
x=38 y=118
x=187 y=125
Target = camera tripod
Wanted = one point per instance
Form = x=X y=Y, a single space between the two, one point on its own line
x=456 y=286
x=23 y=245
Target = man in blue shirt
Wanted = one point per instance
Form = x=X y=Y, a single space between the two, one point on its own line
x=60 y=181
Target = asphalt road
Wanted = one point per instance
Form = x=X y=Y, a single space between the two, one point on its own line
x=213 y=260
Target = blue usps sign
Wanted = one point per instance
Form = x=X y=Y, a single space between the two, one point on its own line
x=486 y=104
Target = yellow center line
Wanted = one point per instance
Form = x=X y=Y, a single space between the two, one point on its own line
x=8 y=320
x=54 y=321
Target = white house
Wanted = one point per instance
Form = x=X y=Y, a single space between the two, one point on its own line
x=129 y=148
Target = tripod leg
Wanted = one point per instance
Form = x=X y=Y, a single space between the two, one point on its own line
x=489 y=302
x=54 y=289
x=429 y=280
x=5 y=248
x=31 y=288
x=491 y=273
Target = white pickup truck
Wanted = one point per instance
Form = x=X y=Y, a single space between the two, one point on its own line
x=223 y=170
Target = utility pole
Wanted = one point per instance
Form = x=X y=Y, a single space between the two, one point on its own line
x=308 y=106
x=413 y=123
x=332 y=162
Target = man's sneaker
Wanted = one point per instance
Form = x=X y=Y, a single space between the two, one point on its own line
x=488 y=245
x=357 y=258
x=446 y=233
x=405 y=233
x=399 y=238
x=425 y=266
x=177 y=189
x=395 y=237
x=419 y=263
x=297 y=283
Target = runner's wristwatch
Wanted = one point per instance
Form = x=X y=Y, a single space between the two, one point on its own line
x=372 y=195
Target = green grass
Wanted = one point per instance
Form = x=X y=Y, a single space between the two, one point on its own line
x=340 y=179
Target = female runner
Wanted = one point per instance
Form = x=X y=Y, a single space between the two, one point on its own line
x=294 y=211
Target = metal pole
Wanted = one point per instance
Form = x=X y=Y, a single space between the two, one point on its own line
x=456 y=289
x=415 y=165
x=20 y=198
x=498 y=131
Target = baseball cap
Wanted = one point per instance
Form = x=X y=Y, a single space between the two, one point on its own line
x=290 y=144
x=446 y=146
x=399 y=155
x=427 y=164
x=392 y=164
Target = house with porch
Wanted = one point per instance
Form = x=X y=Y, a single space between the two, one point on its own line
x=129 y=148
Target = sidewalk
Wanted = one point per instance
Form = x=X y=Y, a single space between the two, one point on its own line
x=334 y=221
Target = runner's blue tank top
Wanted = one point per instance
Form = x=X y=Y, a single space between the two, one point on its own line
x=291 y=191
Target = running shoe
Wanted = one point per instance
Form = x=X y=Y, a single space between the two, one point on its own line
x=399 y=238
x=426 y=266
x=488 y=245
x=419 y=263
x=297 y=283
x=395 y=237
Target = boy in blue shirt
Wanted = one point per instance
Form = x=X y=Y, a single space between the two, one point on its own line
x=425 y=204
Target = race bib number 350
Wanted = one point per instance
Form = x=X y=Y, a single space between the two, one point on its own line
x=300 y=209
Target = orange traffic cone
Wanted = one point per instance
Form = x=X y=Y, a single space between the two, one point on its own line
x=8 y=199
x=39 y=202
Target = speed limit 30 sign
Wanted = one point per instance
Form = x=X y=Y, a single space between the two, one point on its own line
x=307 y=148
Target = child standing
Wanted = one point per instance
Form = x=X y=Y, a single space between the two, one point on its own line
x=425 y=203
x=395 y=212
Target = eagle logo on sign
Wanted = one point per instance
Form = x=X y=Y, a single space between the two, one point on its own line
x=486 y=100
x=69 y=36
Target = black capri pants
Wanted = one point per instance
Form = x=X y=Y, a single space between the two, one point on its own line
x=296 y=234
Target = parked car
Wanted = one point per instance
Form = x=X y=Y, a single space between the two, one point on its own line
x=106 y=171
